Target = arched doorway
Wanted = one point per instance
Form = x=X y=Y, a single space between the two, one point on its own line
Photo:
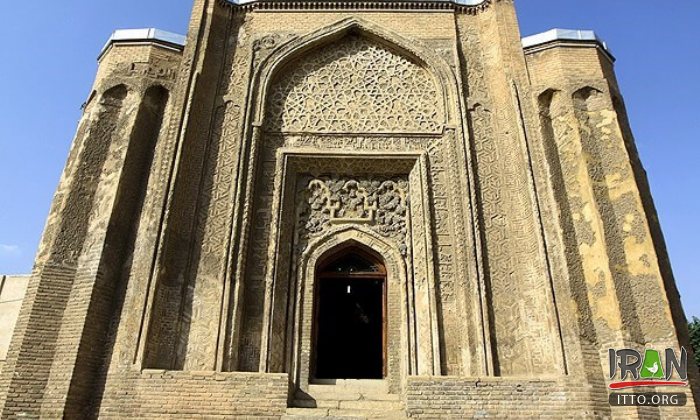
x=350 y=316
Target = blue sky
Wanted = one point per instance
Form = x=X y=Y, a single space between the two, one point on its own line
x=47 y=64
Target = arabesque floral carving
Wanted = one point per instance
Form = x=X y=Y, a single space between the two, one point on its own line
x=380 y=203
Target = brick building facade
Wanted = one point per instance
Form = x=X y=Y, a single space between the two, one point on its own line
x=385 y=209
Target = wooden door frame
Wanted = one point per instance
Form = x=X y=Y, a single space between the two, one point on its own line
x=321 y=275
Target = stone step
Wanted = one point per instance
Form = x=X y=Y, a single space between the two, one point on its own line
x=345 y=396
x=371 y=405
x=350 y=390
x=294 y=413
x=309 y=403
x=359 y=404
x=369 y=414
x=315 y=417
x=308 y=411
x=358 y=385
x=343 y=414
x=331 y=394
x=347 y=399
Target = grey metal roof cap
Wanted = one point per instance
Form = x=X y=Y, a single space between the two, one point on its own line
x=147 y=34
x=460 y=2
x=563 y=35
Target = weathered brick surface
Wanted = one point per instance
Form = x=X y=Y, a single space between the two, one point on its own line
x=12 y=291
x=170 y=394
x=458 y=398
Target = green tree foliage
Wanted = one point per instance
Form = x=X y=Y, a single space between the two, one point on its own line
x=694 y=328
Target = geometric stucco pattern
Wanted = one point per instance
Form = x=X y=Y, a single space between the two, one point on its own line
x=358 y=86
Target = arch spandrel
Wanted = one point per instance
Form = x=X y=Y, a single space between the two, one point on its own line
x=431 y=79
x=353 y=236
x=354 y=85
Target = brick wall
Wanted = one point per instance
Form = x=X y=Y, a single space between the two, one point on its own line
x=12 y=291
x=458 y=398
x=160 y=393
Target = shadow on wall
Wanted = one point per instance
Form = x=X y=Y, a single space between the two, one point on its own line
x=12 y=291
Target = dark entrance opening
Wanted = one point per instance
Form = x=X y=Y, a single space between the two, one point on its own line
x=350 y=317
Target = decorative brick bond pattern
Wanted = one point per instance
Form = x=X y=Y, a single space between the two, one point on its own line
x=460 y=398
x=188 y=395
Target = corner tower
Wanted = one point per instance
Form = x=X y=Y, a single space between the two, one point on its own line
x=87 y=251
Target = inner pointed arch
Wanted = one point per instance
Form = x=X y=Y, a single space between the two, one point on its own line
x=350 y=257
x=350 y=314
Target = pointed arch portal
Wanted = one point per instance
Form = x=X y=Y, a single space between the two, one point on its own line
x=290 y=97
x=350 y=316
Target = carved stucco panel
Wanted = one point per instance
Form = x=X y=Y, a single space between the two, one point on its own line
x=380 y=203
x=355 y=86
x=421 y=292
x=365 y=144
x=80 y=186
x=516 y=275
x=442 y=179
x=201 y=320
x=517 y=278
